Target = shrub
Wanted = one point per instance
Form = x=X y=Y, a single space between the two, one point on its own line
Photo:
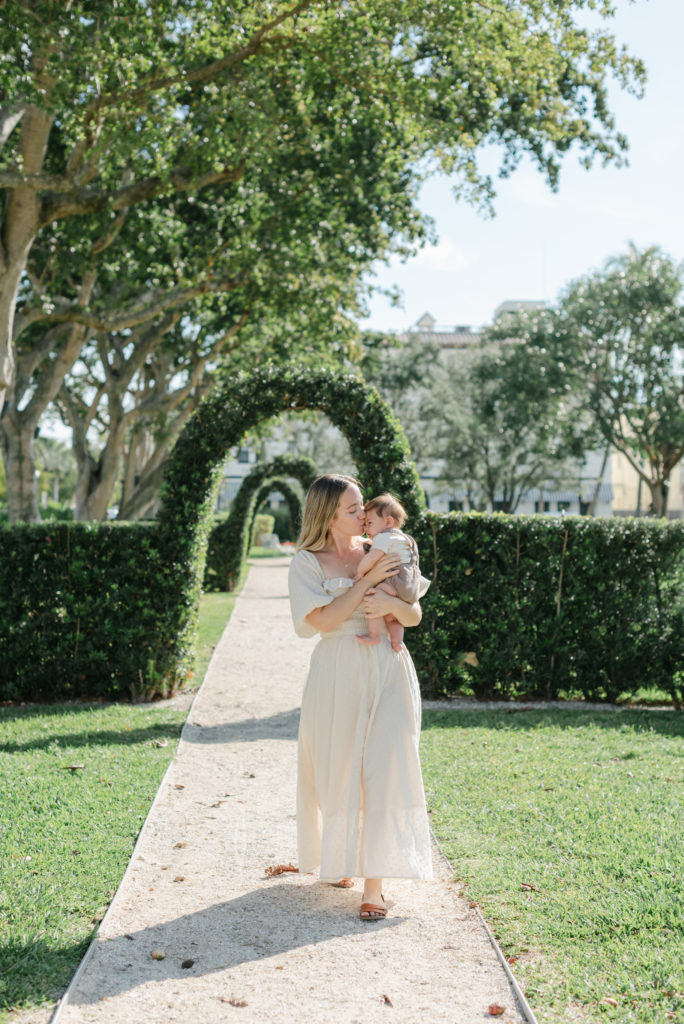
x=544 y=606
x=86 y=611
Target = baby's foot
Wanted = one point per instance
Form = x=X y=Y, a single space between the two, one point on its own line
x=366 y=638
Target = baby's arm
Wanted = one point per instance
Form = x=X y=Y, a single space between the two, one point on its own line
x=368 y=561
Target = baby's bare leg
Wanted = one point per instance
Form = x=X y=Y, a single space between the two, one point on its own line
x=373 y=628
x=396 y=632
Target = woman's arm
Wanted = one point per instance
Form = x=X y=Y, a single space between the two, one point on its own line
x=377 y=604
x=338 y=611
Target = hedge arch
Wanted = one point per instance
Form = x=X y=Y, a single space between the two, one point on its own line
x=376 y=439
x=292 y=500
x=229 y=540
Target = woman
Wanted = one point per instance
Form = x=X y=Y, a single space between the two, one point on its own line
x=360 y=801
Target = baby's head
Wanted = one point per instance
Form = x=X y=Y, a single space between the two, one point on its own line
x=384 y=513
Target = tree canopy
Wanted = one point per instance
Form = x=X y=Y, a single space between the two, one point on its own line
x=615 y=340
x=250 y=160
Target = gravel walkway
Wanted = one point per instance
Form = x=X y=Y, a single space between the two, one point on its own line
x=197 y=932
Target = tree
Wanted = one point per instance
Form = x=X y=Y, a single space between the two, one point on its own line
x=617 y=336
x=113 y=112
x=508 y=422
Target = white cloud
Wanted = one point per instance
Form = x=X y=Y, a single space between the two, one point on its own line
x=444 y=256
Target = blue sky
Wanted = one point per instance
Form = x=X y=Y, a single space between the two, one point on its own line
x=540 y=240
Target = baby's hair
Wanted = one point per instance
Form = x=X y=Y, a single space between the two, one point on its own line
x=387 y=505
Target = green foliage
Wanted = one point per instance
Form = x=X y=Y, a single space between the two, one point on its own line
x=287 y=519
x=550 y=606
x=87 y=610
x=377 y=441
x=231 y=537
x=261 y=523
x=614 y=341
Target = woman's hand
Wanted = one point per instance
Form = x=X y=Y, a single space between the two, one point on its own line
x=377 y=604
x=386 y=566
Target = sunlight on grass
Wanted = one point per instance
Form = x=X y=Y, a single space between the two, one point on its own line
x=566 y=827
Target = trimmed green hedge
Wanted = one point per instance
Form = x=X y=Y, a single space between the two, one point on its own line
x=519 y=606
x=292 y=500
x=110 y=610
x=230 y=539
x=86 y=610
x=550 y=606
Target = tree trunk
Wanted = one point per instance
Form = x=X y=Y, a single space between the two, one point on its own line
x=21 y=222
x=591 y=509
x=659 y=495
x=19 y=459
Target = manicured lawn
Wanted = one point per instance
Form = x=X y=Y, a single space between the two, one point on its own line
x=67 y=833
x=567 y=828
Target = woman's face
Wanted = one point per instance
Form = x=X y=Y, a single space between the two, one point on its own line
x=349 y=518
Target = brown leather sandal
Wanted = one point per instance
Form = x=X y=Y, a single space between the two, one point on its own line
x=373 y=911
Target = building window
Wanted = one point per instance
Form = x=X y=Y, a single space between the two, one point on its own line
x=538 y=508
x=563 y=506
x=243 y=455
x=499 y=506
x=455 y=506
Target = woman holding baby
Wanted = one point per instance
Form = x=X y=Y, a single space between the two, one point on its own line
x=360 y=801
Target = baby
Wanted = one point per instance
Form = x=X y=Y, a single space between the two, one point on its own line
x=384 y=519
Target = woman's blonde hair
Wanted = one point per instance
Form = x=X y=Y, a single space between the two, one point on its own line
x=387 y=505
x=322 y=502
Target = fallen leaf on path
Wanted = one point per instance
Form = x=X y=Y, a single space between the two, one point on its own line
x=387 y=1001
x=179 y=846
x=187 y=964
x=279 y=869
x=495 y=1010
x=233 y=1002
x=158 y=954
x=179 y=878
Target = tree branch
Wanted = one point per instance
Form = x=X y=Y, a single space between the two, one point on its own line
x=79 y=201
x=109 y=323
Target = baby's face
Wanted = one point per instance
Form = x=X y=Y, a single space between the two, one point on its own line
x=376 y=523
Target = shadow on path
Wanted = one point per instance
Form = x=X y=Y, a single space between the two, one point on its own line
x=280 y=726
x=226 y=935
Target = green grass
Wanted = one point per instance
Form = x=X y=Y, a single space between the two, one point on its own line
x=257 y=552
x=66 y=835
x=586 y=807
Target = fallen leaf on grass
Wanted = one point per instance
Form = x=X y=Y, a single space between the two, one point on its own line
x=386 y=1000
x=530 y=887
x=160 y=743
x=158 y=954
x=495 y=1010
x=511 y=959
x=279 y=869
x=72 y=767
x=610 y=1001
